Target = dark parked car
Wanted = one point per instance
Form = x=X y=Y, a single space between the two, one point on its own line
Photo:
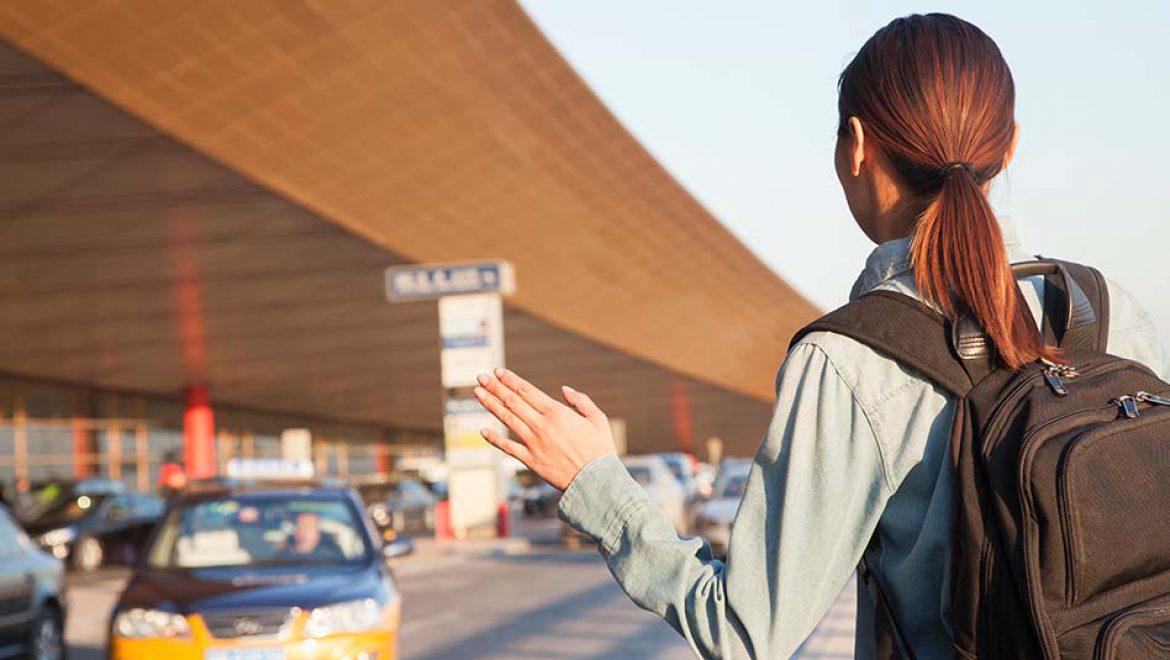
x=32 y=596
x=399 y=504
x=98 y=528
x=42 y=494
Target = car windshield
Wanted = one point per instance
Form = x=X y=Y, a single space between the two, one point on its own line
x=67 y=510
x=733 y=486
x=260 y=531
x=378 y=493
x=640 y=474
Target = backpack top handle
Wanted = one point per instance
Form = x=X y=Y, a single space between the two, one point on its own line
x=956 y=356
x=1078 y=308
x=972 y=344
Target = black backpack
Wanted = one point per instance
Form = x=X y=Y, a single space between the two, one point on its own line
x=1062 y=528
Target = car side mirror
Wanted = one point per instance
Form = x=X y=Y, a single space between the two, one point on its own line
x=399 y=547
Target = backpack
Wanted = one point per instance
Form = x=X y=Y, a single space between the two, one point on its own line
x=1062 y=528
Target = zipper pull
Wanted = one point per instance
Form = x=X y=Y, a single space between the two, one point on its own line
x=1152 y=398
x=1128 y=405
x=1052 y=375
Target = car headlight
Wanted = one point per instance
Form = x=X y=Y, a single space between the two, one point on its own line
x=139 y=623
x=349 y=617
x=59 y=536
x=380 y=515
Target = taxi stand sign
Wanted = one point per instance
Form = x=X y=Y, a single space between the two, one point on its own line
x=471 y=335
x=429 y=282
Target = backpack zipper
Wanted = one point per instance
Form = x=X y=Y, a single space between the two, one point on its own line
x=1129 y=403
x=1128 y=406
x=997 y=417
x=1053 y=374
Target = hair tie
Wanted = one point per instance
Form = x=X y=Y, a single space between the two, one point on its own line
x=954 y=166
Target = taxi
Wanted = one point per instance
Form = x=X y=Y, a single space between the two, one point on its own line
x=261 y=569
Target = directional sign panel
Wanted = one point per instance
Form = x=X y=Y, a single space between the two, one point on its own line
x=428 y=282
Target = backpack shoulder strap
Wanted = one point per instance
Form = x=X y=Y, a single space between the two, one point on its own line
x=910 y=332
x=1088 y=336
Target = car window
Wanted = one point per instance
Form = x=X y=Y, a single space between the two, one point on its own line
x=731 y=483
x=148 y=505
x=258 y=531
x=641 y=474
x=69 y=510
x=414 y=490
x=120 y=507
x=733 y=486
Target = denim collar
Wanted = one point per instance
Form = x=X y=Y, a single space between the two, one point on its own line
x=892 y=259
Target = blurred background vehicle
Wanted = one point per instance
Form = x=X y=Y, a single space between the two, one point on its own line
x=32 y=596
x=705 y=475
x=683 y=467
x=714 y=517
x=651 y=472
x=30 y=499
x=541 y=499
x=91 y=525
x=258 y=570
x=654 y=475
x=398 y=503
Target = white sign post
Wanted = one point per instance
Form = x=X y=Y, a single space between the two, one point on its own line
x=471 y=333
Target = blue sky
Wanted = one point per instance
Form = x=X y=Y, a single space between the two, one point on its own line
x=738 y=101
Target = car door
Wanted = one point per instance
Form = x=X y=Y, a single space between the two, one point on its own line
x=16 y=585
x=126 y=519
x=147 y=511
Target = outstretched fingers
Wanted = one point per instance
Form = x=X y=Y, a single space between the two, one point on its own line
x=510 y=447
x=509 y=399
x=531 y=394
x=583 y=404
x=497 y=407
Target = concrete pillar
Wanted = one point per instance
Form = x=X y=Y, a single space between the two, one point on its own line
x=198 y=433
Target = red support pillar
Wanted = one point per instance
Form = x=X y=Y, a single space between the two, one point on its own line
x=84 y=438
x=382 y=455
x=198 y=433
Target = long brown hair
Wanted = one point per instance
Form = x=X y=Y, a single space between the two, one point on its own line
x=937 y=97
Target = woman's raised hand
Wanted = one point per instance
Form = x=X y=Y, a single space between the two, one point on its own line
x=554 y=440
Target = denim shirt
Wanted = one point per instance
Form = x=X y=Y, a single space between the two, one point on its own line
x=857 y=445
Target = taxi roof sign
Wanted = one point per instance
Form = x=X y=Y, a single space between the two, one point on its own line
x=270 y=468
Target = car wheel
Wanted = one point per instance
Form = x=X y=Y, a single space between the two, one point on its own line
x=47 y=636
x=87 y=554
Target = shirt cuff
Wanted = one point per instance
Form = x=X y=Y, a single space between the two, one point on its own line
x=600 y=500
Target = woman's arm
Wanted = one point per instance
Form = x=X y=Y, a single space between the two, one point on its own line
x=816 y=490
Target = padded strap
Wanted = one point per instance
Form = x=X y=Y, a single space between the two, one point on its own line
x=903 y=328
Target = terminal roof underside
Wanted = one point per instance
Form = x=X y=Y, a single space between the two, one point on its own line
x=440 y=131
x=129 y=260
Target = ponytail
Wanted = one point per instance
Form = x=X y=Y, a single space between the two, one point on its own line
x=938 y=100
x=961 y=266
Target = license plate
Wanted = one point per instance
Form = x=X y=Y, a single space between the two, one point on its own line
x=243 y=654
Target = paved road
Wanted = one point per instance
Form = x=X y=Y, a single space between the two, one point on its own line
x=540 y=603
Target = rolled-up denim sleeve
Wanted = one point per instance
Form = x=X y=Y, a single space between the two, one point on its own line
x=813 y=498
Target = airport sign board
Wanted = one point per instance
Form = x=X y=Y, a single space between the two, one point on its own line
x=433 y=281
